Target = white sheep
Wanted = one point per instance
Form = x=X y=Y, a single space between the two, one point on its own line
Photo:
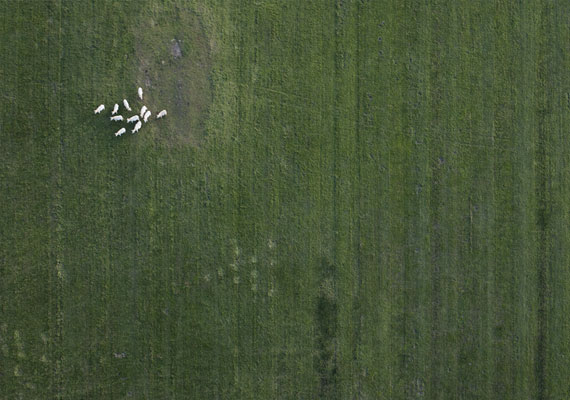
x=143 y=110
x=115 y=109
x=120 y=132
x=147 y=114
x=161 y=114
x=140 y=93
x=126 y=104
x=137 y=127
x=100 y=108
x=133 y=119
x=117 y=118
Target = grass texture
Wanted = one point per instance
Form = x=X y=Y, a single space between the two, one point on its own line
x=347 y=200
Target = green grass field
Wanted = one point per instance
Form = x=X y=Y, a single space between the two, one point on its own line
x=347 y=200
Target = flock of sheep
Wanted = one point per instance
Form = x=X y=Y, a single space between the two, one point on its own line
x=144 y=114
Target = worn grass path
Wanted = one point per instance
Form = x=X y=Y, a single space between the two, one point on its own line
x=350 y=199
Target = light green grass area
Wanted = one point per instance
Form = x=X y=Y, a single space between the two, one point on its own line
x=347 y=200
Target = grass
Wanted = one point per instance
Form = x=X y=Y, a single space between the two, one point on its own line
x=354 y=199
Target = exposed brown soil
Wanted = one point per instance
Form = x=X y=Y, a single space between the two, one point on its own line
x=174 y=67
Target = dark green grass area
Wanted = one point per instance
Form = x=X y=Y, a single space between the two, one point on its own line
x=350 y=199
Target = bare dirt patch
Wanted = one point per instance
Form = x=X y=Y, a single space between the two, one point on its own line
x=173 y=53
